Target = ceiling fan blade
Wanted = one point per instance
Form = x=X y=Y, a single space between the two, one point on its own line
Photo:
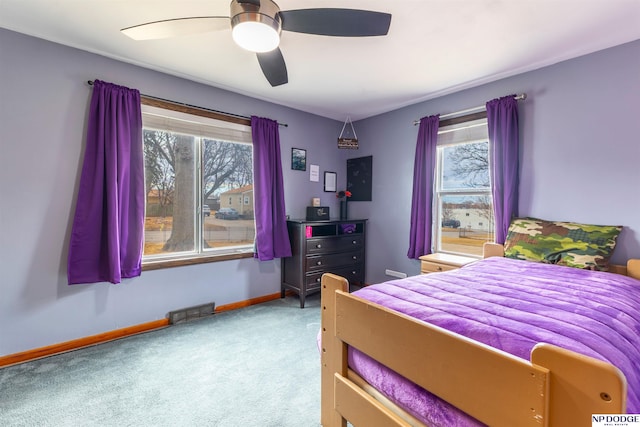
x=336 y=22
x=177 y=27
x=273 y=67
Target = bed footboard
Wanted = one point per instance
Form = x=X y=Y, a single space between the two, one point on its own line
x=492 y=386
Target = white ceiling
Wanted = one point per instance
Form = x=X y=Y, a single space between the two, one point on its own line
x=434 y=47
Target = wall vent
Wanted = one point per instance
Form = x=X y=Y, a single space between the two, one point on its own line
x=191 y=313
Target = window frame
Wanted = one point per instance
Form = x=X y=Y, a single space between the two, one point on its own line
x=201 y=257
x=452 y=125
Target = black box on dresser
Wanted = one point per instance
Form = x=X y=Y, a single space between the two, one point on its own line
x=318 y=247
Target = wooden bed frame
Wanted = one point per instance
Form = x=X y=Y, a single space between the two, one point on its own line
x=557 y=388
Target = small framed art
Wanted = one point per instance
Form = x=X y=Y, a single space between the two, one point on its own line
x=330 y=179
x=298 y=159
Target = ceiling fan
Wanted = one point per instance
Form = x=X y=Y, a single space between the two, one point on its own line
x=256 y=26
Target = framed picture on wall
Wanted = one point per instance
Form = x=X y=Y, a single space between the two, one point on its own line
x=298 y=159
x=330 y=179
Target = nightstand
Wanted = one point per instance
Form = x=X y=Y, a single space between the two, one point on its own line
x=434 y=263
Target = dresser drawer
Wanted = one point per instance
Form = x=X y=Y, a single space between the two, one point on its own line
x=339 y=244
x=432 y=267
x=320 y=262
x=354 y=273
x=312 y=280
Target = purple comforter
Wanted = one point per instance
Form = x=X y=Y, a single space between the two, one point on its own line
x=513 y=305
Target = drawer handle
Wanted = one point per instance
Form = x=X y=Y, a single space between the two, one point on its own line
x=355 y=257
x=318 y=246
x=355 y=242
x=317 y=279
x=439 y=268
x=319 y=263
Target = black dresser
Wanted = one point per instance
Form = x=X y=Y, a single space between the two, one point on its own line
x=319 y=247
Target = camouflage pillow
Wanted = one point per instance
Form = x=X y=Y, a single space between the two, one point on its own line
x=564 y=243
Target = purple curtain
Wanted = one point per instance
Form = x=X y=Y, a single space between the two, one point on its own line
x=502 y=120
x=423 y=180
x=272 y=238
x=107 y=234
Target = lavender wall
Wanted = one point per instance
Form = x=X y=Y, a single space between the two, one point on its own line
x=580 y=149
x=43 y=104
x=580 y=154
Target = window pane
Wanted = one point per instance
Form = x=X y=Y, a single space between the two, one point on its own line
x=170 y=186
x=463 y=206
x=194 y=162
x=465 y=166
x=465 y=223
x=227 y=181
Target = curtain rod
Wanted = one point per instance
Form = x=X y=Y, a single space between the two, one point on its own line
x=238 y=116
x=520 y=97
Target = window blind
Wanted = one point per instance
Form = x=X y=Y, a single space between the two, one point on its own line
x=177 y=122
x=475 y=130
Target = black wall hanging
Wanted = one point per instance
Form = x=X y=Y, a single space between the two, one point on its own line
x=359 y=175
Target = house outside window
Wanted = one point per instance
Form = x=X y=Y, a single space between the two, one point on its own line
x=463 y=206
x=189 y=161
x=243 y=203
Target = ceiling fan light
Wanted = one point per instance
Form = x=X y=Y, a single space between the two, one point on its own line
x=256 y=36
x=256 y=26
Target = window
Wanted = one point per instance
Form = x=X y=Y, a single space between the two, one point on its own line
x=190 y=162
x=463 y=205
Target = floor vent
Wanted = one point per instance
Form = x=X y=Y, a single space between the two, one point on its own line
x=191 y=313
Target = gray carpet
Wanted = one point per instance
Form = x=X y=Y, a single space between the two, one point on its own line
x=257 y=366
